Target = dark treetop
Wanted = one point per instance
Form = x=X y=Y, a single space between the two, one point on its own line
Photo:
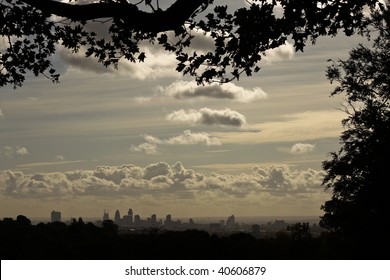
x=31 y=33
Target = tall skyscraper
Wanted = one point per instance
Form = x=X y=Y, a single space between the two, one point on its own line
x=130 y=214
x=128 y=219
x=137 y=220
x=231 y=222
x=117 y=217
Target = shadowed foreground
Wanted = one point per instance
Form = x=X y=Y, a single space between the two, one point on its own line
x=79 y=240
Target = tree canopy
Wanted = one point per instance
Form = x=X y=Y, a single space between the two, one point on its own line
x=358 y=173
x=32 y=30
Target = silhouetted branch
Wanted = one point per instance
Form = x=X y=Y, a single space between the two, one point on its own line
x=170 y=19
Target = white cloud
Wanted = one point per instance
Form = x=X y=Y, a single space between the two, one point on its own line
x=21 y=151
x=157 y=170
x=1 y=114
x=280 y=53
x=185 y=89
x=208 y=116
x=151 y=146
x=301 y=148
x=193 y=138
x=10 y=151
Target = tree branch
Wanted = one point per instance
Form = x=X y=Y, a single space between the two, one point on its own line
x=170 y=19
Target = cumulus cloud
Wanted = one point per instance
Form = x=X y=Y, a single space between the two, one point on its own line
x=160 y=179
x=301 y=148
x=11 y=151
x=151 y=146
x=208 y=116
x=21 y=151
x=283 y=52
x=189 y=89
x=193 y=138
x=281 y=178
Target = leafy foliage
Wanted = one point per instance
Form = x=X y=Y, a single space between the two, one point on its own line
x=31 y=41
x=358 y=173
x=34 y=29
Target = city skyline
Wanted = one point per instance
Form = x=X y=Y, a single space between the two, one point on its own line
x=131 y=222
x=128 y=217
x=146 y=136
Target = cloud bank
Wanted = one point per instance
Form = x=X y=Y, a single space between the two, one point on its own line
x=159 y=180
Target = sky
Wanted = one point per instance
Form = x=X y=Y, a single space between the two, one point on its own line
x=147 y=138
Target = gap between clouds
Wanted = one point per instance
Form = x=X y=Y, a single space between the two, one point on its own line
x=298 y=127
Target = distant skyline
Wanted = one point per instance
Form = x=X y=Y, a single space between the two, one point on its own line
x=146 y=137
x=182 y=219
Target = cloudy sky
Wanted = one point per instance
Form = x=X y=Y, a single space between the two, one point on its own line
x=147 y=138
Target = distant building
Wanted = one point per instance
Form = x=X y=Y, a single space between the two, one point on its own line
x=231 y=222
x=128 y=219
x=117 y=218
x=130 y=214
x=55 y=216
x=153 y=220
x=169 y=224
x=105 y=216
x=137 y=220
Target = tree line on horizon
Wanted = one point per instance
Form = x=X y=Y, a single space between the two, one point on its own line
x=80 y=241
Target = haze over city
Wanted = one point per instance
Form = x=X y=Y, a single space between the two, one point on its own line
x=146 y=136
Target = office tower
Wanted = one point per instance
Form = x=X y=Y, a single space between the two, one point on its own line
x=117 y=217
x=128 y=219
